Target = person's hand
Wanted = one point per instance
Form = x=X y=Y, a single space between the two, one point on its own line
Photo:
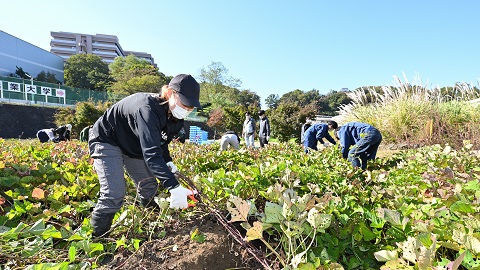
x=268 y=138
x=325 y=144
x=179 y=196
x=172 y=167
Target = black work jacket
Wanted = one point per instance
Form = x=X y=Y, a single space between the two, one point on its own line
x=142 y=128
x=63 y=133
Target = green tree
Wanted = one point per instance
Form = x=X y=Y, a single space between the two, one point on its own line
x=290 y=111
x=272 y=101
x=132 y=75
x=84 y=114
x=301 y=98
x=216 y=82
x=248 y=98
x=220 y=92
x=233 y=118
x=287 y=119
x=87 y=71
x=329 y=103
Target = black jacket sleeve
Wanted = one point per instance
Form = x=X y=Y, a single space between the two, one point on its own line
x=149 y=128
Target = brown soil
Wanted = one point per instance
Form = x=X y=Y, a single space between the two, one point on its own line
x=178 y=251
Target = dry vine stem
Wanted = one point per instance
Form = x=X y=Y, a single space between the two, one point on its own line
x=205 y=202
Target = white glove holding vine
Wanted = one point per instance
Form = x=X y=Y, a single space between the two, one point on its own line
x=179 y=197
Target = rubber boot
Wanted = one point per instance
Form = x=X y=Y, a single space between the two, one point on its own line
x=149 y=203
x=101 y=223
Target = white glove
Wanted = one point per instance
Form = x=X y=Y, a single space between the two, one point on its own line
x=268 y=138
x=325 y=144
x=172 y=167
x=178 y=197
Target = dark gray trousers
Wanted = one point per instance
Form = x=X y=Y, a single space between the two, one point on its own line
x=110 y=164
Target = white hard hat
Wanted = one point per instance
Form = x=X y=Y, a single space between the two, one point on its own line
x=69 y=127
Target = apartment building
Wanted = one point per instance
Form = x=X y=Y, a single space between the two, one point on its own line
x=66 y=44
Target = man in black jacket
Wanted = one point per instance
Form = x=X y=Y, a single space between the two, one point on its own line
x=264 y=131
x=134 y=134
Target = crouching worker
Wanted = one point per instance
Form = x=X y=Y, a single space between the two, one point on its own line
x=134 y=134
x=359 y=142
x=62 y=133
x=45 y=135
x=230 y=138
x=316 y=132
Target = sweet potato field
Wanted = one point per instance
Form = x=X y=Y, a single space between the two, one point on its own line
x=414 y=209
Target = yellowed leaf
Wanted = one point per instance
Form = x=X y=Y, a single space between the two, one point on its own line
x=38 y=193
x=255 y=232
x=311 y=203
x=241 y=209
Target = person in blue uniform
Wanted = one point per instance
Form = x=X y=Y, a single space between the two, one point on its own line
x=359 y=143
x=134 y=135
x=316 y=133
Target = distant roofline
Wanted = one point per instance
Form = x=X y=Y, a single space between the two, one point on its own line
x=65 y=32
x=31 y=44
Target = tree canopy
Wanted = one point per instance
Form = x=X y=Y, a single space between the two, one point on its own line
x=224 y=102
x=132 y=74
x=328 y=104
x=221 y=99
x=272 y=101
x=87 y=71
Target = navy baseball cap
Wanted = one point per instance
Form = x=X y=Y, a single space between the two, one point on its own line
x=187 y=89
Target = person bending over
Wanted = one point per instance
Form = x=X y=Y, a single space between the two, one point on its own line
x=134 y=134
x=359 y=143
x=316 y=132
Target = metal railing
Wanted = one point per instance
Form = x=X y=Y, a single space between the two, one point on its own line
x=36 y=92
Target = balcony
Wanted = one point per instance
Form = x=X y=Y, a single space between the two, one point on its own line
x=63 y=49
x=103 y=45
x=105 y=53
x=62 y=41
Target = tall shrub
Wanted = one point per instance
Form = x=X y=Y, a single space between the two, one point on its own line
x=84 y=114
x=416 y=114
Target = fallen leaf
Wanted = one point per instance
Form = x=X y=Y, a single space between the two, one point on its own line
x=38 y=193
x=241 y=209
x=255 y=232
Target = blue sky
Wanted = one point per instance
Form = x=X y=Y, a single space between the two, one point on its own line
x=275 y=47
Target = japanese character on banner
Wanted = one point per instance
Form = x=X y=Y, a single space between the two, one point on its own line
x=47 y=91
x=14 y=87
x=31 y=89
x=60 y=93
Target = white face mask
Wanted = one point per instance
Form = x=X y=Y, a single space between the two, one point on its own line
x=177 y=111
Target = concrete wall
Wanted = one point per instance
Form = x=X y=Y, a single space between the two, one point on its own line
x=22 y=121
